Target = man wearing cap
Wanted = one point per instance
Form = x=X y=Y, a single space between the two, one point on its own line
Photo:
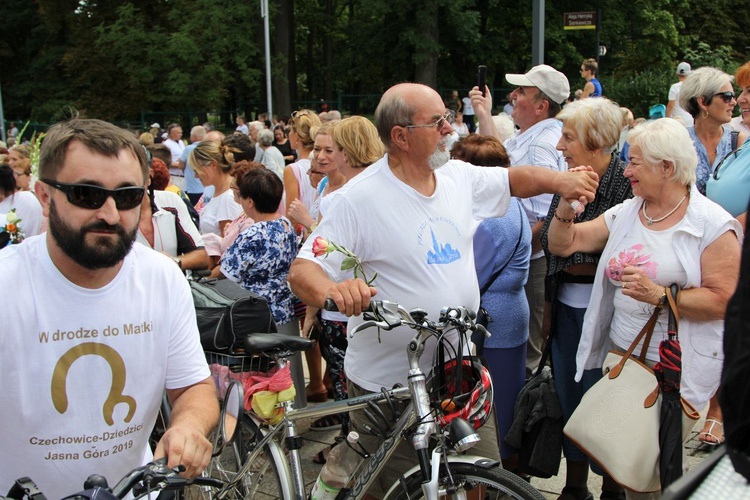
x=536 y=101
x=674 y=110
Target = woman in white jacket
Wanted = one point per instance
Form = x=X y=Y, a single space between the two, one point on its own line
x=668 y=233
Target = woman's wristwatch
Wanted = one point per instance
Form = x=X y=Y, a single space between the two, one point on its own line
x=663 y=299
x=177 y=261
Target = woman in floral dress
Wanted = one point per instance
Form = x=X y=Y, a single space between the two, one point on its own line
x=260 y=257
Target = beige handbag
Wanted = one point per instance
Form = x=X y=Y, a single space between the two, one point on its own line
x=617 y=422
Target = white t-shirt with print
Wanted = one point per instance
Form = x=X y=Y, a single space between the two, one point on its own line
x=83 y=371
x=420 y=246
x=222 y=207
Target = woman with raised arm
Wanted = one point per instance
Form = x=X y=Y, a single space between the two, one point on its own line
x=667 y=233
x=590 y=131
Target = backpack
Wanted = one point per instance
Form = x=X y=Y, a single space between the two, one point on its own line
x=226 y=312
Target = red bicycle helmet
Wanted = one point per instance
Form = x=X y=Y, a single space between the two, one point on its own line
x=466 y=393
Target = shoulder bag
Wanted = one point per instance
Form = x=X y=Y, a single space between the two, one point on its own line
x=226 y=312
x=617 y=422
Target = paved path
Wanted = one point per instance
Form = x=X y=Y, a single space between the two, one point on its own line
x=550 y=488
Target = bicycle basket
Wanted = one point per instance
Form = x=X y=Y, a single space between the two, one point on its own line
x=461 y=388
x=265 y=386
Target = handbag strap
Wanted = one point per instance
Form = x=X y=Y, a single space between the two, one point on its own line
x=673 y=298
x=646 y=331
x=512 y=254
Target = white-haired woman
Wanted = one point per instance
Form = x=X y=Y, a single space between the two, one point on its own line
x=668 y=233
x=708 y=95
x=271 y=158
x=591 y=129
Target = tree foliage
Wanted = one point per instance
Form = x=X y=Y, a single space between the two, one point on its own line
x=115 y=59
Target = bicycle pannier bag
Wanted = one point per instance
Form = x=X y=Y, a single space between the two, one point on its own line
x=226 y=312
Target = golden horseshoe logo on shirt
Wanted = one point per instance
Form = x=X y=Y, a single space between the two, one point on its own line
x=113 y=358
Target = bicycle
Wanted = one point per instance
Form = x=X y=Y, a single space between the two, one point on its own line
x=441 y=472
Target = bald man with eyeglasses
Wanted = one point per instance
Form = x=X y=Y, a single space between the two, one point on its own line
x=410 y=218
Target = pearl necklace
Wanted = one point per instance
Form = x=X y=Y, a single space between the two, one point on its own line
x=651 y=221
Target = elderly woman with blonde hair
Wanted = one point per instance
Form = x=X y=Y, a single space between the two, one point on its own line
x=590 y=131
x=708 y=95
x=667 y=233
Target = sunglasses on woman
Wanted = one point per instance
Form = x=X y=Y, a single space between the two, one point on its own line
x=93 y=197
x=727 y=96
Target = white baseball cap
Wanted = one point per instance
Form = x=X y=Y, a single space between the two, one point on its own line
x=683 y=69
x=155 y=125
x=545 y=78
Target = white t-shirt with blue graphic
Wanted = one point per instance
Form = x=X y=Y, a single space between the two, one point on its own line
x=420 y=246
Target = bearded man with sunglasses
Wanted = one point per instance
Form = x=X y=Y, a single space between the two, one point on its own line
x=99 y=327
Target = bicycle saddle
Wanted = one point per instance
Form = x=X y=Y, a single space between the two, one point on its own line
x=271 y=343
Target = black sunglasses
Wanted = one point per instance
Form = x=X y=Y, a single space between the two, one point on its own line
x=726 y=96
x=93 y=197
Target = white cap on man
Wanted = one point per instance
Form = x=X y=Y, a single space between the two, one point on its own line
x=683 y=69
x=155 y=125
x=547 y=79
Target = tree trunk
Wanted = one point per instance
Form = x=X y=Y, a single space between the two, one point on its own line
x=427 y=50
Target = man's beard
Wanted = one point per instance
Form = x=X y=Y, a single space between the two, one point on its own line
x=440 y=157
x=103 y=253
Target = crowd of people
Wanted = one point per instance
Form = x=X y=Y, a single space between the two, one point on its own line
x=567 y=215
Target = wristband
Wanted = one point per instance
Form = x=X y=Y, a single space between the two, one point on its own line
x=564 y=221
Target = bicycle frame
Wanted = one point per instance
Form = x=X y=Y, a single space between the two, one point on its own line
x=417 y=412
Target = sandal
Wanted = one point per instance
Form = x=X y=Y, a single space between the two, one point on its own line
x=326 y=423
x=575 y=493
x=708 y=437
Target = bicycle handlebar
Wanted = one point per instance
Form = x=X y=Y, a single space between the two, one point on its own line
x=388 y=315
x=154 y=476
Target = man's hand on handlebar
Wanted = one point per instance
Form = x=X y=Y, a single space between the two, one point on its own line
x=351 y=296
x=185 y=446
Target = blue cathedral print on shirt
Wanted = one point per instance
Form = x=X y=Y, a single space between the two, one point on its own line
x=441 y=254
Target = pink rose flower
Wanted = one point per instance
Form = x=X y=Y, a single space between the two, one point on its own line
x=321 y=247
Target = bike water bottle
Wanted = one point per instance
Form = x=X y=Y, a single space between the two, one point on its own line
x=337 y=471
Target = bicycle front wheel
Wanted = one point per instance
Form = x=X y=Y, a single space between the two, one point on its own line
x=494 y=482
x=267 y=472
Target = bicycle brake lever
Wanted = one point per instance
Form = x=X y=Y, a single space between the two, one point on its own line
x=362 y=326
x=481 y=329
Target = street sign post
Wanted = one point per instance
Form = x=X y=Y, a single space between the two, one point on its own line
x=579 y=20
